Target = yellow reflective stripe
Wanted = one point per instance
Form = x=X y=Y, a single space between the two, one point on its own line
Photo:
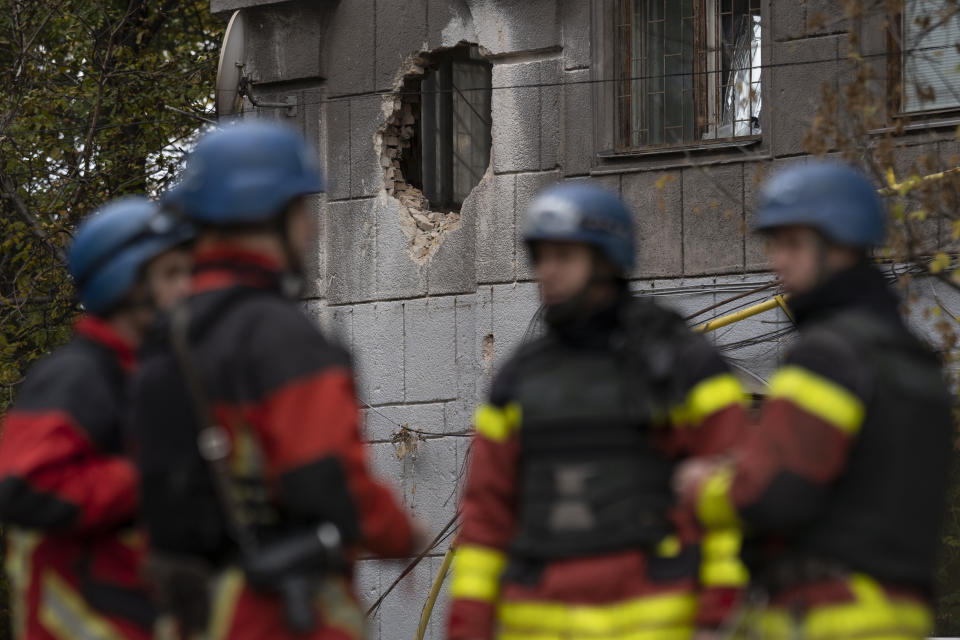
x=872 y=612
x=476 y=572
x=338 y=608
x=721 y=565
x=653 y=613
x=714 y=507
x=65 y=614
x=721 y=543
x=495 y=423
x=871 y=616
x=226 y=593
x=709 y=396
x=680 y=632
x=669 y=547
x=247 y=457
x=19 y=565
x=724 y=573
x=819 y=396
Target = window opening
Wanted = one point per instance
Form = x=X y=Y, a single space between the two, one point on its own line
x=929 y=38
x=446 y=147
x=435 y=144
x=690 y=70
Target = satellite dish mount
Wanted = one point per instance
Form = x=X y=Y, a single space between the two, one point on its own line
x=233 y=85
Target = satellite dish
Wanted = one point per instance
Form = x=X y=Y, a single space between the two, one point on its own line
x=230 y=68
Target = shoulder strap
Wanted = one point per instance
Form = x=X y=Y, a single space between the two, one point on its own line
x=651 y=343
x=212 y=439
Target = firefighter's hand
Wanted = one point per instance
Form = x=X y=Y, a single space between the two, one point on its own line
x=690 y=475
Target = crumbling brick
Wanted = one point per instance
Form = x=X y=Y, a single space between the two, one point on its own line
x=395 y=139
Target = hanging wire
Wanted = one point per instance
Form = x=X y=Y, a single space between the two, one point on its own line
x=387 y=92
x=413 y=565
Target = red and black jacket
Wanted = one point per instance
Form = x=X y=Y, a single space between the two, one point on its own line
x=582 y=395
x=847 y=468
x=66 y=485
x=284 y=393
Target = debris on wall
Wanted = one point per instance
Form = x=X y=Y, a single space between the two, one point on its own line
x=488 y=342
x=397 y=143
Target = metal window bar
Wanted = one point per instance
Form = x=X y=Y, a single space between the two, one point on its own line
x=455 y=127
x=471 y=126
x=690 y=71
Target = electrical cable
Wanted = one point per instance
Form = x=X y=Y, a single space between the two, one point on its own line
x=592 y=81
x=410 y=567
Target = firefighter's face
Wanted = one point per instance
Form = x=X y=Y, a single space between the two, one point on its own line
x=802 y=258
x=563 y=269
x=302 y=230
x=796 y=255
x=168 y=278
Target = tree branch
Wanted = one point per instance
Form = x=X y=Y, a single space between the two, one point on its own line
x=9 y=192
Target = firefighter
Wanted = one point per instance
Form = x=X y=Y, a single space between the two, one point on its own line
x=842 y=483
x=568 y=521
x=68 y=493
x=255 y=480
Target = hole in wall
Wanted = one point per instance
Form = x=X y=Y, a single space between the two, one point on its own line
x=435 y=145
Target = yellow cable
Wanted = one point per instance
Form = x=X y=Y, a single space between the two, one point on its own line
x=743 y=314
x=434 y=593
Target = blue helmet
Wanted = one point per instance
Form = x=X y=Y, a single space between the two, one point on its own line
x=245 y=174
x=112 y=246
x=833 y=198
x=583 y=212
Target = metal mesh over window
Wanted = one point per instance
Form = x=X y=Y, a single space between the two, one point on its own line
x=690 y=71
x=930 y=31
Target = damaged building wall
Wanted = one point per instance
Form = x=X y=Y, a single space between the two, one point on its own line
x=431 y=302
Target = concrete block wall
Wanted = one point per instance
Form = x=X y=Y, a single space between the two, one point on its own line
x=427 y=338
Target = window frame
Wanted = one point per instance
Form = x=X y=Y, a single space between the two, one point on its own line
x=435 y=129
x=610 y=131
x=895 y=78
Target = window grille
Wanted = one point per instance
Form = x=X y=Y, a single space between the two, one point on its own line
x=689 y=71
x=929 y=37
x=455 y=127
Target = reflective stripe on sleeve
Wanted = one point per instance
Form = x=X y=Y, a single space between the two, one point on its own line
x=708 y=397
x=497 y=423
x=819 y=396
x=21 y=545
x=65 y=614
x=476 y=572
x=714 y=507
x=227 y=589
x=721 y=565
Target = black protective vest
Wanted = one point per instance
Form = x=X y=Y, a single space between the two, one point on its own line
x=591 y=480
x=883 y=515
